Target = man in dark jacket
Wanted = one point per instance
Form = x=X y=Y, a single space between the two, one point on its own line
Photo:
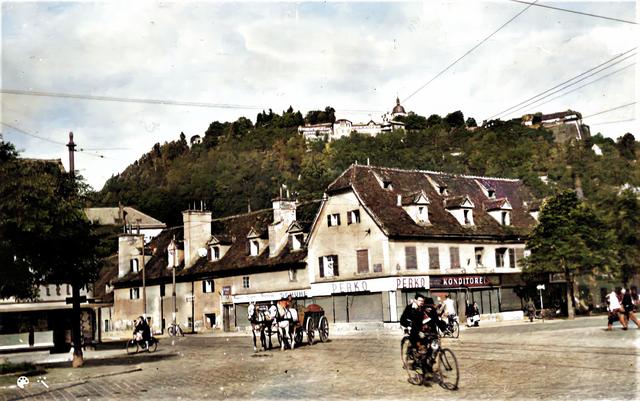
x=412 y=317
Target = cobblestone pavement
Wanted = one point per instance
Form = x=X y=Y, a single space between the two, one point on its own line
x=560 y=360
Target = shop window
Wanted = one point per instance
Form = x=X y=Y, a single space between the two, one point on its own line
x=333 y=220
x=363 y=260
x=411 y=260
x=245 y=282
x=434 y=258
x=134 y=293
x=328 y=265
x=479 y=251
x=501 y=259
x=353 y=217
x=207 y=286
x=454 y=253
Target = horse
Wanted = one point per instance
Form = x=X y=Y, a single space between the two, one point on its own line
x=286 y=319
x=258 y=322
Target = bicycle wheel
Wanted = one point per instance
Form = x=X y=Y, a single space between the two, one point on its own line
x=447 y=369
x=409 y=363
x=171 y=330
x=132 y=347
x=455 y=330
x=153 y=345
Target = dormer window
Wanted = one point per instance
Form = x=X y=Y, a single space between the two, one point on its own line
x=333 y=220
x=296 y=241
x=135 y=265
x=505 y=218
x=386 y=184
x=254 y=247
x=491 y=193
x=353 y=217
x=500 y=210
x=467 y=217
x=442 y=190
x=215 y=253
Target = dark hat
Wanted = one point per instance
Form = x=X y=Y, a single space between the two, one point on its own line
x=428 y=301
x=418 y=295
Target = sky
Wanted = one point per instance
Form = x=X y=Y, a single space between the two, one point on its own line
x=238 y=58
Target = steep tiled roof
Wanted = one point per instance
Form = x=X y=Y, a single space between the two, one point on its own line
x=496 y=204
x=108 y=273
x=113 y=216
x=237 y=259
x=382 y=203
x=454 y=201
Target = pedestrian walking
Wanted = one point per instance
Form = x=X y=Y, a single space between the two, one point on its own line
x=629 y=306
x=614 y=308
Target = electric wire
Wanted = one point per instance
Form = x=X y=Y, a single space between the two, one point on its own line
x=469 y=51
x=21 y=131
x=613 y=122
x=575 y=12
x=608 y=110
x=565 y=82
x=579 y=87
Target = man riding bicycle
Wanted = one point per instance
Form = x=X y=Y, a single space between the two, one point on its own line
x=448 y=309
x=424 y=320
x=142 y=332
x=412 y=317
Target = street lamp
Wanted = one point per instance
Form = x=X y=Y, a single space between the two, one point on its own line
x=173 y=251
x=541 y=287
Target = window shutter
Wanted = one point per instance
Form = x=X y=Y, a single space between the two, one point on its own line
x=519 y=256
x=454 y=253
x=329 y=220
x=498 y=258
x=434 y=258
x=321 y=266
x=349 y=221
x=363 y=260
x=204 y=286
x=209 y=253
x=338 y=216
x=290 y=241
x=335 y=262
x=411 y=260
x=512 y=258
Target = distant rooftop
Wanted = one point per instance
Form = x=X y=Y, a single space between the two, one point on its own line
x=111 y=216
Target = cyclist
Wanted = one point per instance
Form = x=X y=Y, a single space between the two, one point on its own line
x=412 y=317
x=448 y=309
x=142 y=332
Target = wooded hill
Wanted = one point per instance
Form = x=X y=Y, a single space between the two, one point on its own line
x=240 y=165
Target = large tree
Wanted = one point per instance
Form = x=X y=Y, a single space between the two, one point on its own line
x=569 y=239
x=623 y=216
x=45 y=237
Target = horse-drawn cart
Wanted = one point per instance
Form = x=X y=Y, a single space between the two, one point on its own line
x=313 y=320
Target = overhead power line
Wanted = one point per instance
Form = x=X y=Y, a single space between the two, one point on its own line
x=587 y=84
x=21 y=131
x=468 y=51
x=613 y=122
x=608 y=110
x=165 y=102
x=531 y=99
x=574 y=12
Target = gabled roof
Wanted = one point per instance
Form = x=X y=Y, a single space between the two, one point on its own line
x=107 y=216
x=220 y=239
x=498 y=204
x=417 y=198
x=457 y=202
x=394 y=220
x=295 y=227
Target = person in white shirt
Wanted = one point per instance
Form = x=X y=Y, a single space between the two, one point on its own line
x=449 y=306
x=615 y=309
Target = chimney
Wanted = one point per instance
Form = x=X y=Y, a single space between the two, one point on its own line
x=284 y=213
x=197 y=231
x=129 y=248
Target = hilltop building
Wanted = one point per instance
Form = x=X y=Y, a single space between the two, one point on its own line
x=565 y=125
x=343 y=127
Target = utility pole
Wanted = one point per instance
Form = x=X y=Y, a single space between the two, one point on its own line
x=78 y=359
x=144 y=279
x=173 y=250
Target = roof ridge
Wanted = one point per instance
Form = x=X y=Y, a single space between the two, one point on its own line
x=397 y=169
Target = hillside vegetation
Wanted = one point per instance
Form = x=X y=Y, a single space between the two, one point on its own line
x=240 y=165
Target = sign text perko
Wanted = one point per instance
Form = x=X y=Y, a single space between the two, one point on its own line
x=349 y=286
x=412 y=282
x=459 y=281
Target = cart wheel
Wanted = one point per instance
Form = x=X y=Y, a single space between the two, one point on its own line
x=309 y=328
x=323 y=328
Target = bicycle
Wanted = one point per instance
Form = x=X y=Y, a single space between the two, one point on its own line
x=430 y=360
x=174 y=329
x=453 y=327
x=136 y=345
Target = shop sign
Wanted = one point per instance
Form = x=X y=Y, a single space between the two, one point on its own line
x=412 y=282
x=226 y=290
x=459 y=281
x=349 y=286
